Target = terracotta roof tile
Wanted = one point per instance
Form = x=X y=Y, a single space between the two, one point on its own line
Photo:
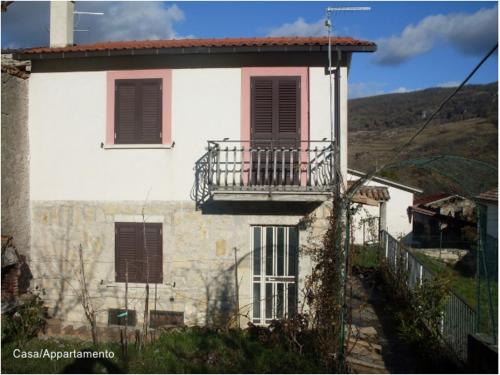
x=187 y=43
x=377 y=193
x=490 y=195
x=15 y=71
x=423 y=200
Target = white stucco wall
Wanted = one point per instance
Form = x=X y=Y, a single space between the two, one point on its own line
x=319 y=108
x=398 y=224
x=67 y=124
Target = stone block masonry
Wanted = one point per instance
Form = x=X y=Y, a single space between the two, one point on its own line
x=198 y=257
x=15 y=162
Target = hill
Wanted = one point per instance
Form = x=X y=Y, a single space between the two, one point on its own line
x=466 y=127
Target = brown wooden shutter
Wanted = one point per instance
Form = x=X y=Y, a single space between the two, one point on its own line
x=126 y=111
x=288 y=121
x=138 y=111
x=154 y=252
x=261 y=111
x=275 y=111
x=151 y=106
x=127 y=250
x=130 y=247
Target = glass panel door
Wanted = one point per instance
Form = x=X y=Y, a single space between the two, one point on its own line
x=275 y=267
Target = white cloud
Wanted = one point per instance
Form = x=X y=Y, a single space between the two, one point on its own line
x=130 y=20
x=363 y=89
x=448 y=84
x=26 y=24
x=401 y=90
x=299 y=28
x=471 y=34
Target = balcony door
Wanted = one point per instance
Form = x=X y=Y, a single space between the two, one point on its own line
x=275 y=126
x=275 y=269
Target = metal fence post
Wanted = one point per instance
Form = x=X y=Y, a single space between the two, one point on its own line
x=386 y=235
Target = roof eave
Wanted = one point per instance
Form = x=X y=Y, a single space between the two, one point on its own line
x=398 y=185
x=190 y=50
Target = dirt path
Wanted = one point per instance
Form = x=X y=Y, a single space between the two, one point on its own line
x=374 y=345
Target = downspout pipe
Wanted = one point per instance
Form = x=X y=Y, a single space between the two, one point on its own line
x=337 y=125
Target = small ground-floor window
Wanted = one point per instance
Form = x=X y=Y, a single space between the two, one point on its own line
x=275 y=268
x=138 y=252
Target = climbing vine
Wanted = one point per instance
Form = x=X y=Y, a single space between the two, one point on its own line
x=325 y=287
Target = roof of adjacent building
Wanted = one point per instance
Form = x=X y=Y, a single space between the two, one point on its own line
x=20 y=69
x=371 y=195
x=394 y=184
x=211 y=45
x=378 y=193
x=428 y=199
x=490 y=195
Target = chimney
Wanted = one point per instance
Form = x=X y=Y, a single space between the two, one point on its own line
x=61 y=23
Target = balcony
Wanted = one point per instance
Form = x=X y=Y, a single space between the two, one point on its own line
x=264 y=171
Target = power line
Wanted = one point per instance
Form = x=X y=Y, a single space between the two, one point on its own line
x=444 y=102
x=355 y=187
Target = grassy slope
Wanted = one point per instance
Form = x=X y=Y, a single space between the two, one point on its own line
x=465 y=287
x=475 y=137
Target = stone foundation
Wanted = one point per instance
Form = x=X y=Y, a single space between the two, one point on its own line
x=198 y=257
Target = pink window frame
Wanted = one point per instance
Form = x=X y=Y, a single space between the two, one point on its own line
x=165 y=75
x=246 y=74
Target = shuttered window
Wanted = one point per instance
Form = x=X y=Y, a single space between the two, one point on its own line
x=275 y=111
x=138 y=247
x=138 y=111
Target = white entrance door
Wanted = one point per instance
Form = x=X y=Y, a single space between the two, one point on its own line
x=275 y=268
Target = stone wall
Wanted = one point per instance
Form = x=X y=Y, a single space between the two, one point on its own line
x=198 y=256
x=15 y=162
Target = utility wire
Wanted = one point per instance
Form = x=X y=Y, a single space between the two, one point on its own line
x=370 y=175
x=447 y=100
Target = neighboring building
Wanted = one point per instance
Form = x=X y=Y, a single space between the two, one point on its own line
x=175 y=162
x=15 y=152
x=15 y=179
x=443 y=221
x=489 y=199
x=384 y=207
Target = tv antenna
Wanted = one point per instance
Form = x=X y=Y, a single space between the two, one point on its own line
x=329 y=26
x=79 y=13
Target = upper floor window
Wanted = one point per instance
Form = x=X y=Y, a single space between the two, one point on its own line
x=275 y=106
x=275 y=111
x=138 y=111
x=139 y=108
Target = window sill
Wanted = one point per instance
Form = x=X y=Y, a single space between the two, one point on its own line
x=137 y=146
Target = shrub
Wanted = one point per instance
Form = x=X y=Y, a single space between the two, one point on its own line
x=24 y=322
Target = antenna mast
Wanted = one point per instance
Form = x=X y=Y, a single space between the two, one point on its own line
x=336 y=168
x=329 y=26
x=78 y=13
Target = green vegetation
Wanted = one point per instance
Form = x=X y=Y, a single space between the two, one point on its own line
x=466 y=127
x=190 y=350
x=408 y=109
x=465 y=287
x=365 y=256
x=26 y=322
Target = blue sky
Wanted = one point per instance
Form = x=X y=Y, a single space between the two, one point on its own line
x=421 y=44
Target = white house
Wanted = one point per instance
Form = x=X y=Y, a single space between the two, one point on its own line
x=388 y=210
x=188 y=164
x=489 y=199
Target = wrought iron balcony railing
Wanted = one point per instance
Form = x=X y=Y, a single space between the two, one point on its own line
x=263 y=166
